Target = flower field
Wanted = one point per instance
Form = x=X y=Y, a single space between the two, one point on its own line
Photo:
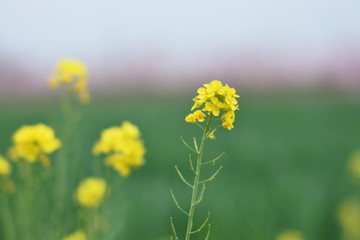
x=179 y=120
x=285 y=168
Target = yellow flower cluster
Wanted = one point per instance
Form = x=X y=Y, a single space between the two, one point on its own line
x=290 y=235
x=78 y=235
x=91 y=192
x=354 y=164
x=74 y=74
x=123 y=147
x=196 y=116
x=349 y=218
x=5 y=170
x=5 y=167
x=34 y=143
x=213 y=98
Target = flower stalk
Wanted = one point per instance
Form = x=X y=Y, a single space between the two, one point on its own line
x=197 y=194
x=214 y=99
x=194 y=195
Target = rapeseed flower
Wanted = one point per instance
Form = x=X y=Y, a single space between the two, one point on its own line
x=5 y=170
x=91 y=192
x=290 y=235
x=73 y=74
x=123 y=147
x=349 y=218
x=78 y=235
x=215 y=98
x=196 y=116
x=354 y=164
x=34 y=142
x=5 y=167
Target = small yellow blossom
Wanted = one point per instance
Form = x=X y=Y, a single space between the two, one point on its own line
x=120 y=163
x=34 y=142
x=349 y=218
x=73 y=74
x=211 y=136
x=5 y=167
x=228 y=119
x=78 y=235
x=354 y=164
x=196 y=116
x=214 y=98
x=91 y=192
x=123 y=147
x=290 y=235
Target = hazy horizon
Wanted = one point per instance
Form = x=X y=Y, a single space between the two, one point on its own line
x=301 y=41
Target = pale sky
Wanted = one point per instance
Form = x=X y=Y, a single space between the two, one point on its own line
x=186 y=31
x=49 y=29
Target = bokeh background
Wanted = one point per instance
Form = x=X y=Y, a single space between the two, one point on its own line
x=296 y=65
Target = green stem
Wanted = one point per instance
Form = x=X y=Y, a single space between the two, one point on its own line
x=92 y=223
x=61 y=163
x=8 y=219
x=27 y=188
x=197 y=180
x=64 y=154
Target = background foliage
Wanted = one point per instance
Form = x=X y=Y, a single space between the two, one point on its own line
x=284 y=167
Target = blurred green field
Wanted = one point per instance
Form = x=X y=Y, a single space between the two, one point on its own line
x=284 y=167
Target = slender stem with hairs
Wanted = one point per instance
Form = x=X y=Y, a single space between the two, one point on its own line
x=194 y=196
